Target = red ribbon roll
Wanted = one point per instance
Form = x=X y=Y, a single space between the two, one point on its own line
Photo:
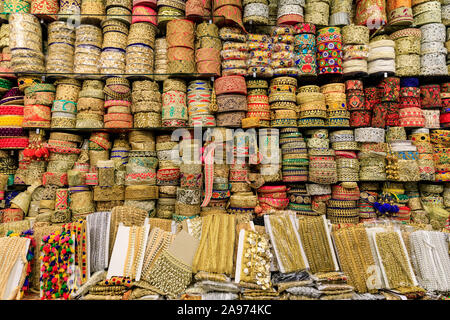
x=230 y=84
x=180 y=26
x=360 y=118
x=430 y=96
x=444 y=118
x=180 y=53
x=207 y=54
x=290 y=19
x=212 y=67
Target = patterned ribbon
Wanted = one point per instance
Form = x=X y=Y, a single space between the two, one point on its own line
x=61 y=200
x=209 y=172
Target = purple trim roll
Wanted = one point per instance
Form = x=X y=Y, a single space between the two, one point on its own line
x=9 y=195
x=13 y=92
x=409 y=82
x=12 y=132
x=9 y=99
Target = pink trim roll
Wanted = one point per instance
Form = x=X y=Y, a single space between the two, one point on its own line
x=270 y=189
x=144 y=14
x=11 y=110
x=290 y=19
x=147 y=3
x=14 y=143
x=410 y=113
x=276 y=203
x=111 y=103
x=91 y=179
x=230 y=84
x=412 y=122
x=295 y=178
x=118 y=124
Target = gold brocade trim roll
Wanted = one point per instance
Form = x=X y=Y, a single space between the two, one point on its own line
x=314 y=237
x=141 y=192
x=167 y=145
x=284 y=114
x=353 y=34
x=286 y=243
x=114 y=193
x=180 y=66
x=317 y=13
x=407 y=65
x=114 y=40
x=145 y=85
x=82 y=202
x=240 y=187
x=428 y=17
x=47 y=204
x=166 y=14
x=187 y=210
x=142 y=31
x=174 y=85
x=190 y=168
x=245 y=200
x=207 y=29
x=309 y=89
x=407 y=45
x=333 y=88
x=215 y=254
x=394 y=259
x=147 y=120
x=208 y=42
x=97 y=155
x=309 y=97
x=146 y=106
x=357 y=262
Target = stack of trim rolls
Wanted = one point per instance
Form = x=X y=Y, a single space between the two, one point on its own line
x=180 y=44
